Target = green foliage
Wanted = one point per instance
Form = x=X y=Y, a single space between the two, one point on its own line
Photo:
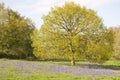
x=101 y=49
x=116 y=53
x=73 y=32
x=15 y=33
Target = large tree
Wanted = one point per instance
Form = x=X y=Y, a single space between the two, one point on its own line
x=73 y=32
x=15 y=33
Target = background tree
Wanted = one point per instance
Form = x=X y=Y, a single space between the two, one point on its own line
x=70 y=31
x=15 y=33
x=116 y=53
x=100 y=48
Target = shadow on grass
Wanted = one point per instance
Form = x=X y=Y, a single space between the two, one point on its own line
x=98 y=66
x=81 y=65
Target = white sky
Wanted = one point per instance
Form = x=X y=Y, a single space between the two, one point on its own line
x=109 y=10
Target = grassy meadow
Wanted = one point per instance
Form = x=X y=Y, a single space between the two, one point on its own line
x=58 y=70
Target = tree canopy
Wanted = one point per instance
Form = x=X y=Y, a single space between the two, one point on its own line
x=73 y=32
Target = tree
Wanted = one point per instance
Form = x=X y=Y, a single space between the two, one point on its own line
x=116 y=53
x=15 y=33
x=100 y=49
x=69 y=31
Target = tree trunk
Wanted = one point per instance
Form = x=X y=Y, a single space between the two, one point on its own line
x=73 y=60
x=72 y=52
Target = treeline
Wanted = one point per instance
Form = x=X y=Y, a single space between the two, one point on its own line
x=15 y=33
x=68 y=32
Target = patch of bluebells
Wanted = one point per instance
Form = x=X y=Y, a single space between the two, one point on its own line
x=38 y=67
x=26 y=67
x=58 y=68
x=96 y=72
x=84 y=71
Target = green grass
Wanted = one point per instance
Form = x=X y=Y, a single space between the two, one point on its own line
x=45 y=76
x=53 y=76
x=114 y=63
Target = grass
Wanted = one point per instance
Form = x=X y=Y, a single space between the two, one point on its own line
x=114 y=63
x=45 y=76
x=48 y=70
